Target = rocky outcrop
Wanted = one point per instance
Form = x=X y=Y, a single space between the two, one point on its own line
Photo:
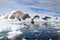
x=56 y=18
x=26 y=16
x=46 y=18
x=36 y=16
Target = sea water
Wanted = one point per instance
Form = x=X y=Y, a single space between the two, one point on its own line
x=17 y=30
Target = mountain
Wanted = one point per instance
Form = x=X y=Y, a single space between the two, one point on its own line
x=46 y=18
x=36 y=16
x=26 y=16
x=17 y=15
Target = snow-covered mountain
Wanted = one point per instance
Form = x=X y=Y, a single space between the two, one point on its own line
x=13 y=28
x=17 y=15
x=23 y=16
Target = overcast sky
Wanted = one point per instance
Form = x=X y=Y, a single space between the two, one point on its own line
x=31 y=6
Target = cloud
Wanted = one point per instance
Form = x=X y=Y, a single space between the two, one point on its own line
x=42 y=10
x=29 y=6
x=6 y=0
x=43 y=4
x=10 y=5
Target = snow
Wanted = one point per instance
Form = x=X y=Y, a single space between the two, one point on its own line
x=16 y=27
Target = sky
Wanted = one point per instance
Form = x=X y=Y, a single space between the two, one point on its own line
x=51 y=7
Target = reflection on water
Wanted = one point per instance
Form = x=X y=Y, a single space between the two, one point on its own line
x=38 y=31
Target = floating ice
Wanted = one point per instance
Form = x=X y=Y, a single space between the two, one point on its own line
x=12 y=28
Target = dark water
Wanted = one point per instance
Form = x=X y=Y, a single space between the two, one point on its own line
x=40 y=35
x=43 y=33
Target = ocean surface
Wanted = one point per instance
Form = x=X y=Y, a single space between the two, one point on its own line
x=20 y=30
